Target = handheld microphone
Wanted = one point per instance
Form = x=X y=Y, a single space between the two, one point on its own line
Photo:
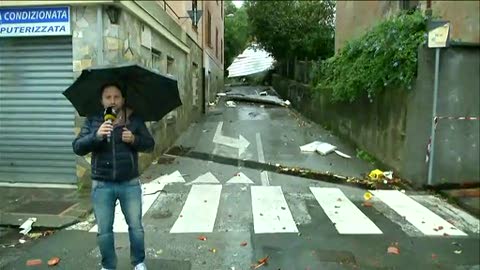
x=109 y=116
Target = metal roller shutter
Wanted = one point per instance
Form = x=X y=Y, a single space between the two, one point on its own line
x=36 y=120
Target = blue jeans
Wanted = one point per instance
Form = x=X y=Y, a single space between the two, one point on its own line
x=104 y=196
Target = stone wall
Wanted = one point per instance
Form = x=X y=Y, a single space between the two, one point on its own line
x=396 y=126
x=122 y=42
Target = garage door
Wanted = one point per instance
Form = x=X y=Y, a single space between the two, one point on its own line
x=36 y=121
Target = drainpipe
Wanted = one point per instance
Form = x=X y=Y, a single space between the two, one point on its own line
x=99 y=31
x=204 y=90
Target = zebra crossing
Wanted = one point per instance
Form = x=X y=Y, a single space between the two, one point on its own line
x=271 y=213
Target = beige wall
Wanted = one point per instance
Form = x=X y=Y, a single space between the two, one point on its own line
x=353 y=18
x=464 y=17
x=179 y=9
x=215 y=8
x=213 y=55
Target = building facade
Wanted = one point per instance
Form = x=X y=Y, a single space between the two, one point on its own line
x=401 y=135
x=354 y=18
x=44 y=46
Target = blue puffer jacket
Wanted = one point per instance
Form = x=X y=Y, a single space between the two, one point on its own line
x=114 y=161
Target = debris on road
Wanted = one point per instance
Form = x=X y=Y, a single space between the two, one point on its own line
x=53 y=261
x=375 y=174
x=202 y=238
x=367 y=196
x=342 y=154
x=27 y=225
x=212 y=250
x=380 y=175
x=231 y=104
x=33 y=262
x=458 y=251
x=367 y=204
x=393 y=249
x=263 y=261
x=244 y=243
x=322 y=148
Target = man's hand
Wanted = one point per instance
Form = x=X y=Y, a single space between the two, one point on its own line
x=105 y=129
x=127 y=136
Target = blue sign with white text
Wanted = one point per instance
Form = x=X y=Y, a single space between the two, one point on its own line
x=34 y=21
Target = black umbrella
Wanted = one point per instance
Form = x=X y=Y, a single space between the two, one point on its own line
x=149 y=94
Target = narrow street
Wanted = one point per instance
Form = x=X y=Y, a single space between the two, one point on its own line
x=202 y=214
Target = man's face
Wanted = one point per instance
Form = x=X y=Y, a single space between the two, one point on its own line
x=112 y=97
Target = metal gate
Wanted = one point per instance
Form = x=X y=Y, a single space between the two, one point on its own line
x=36 y=120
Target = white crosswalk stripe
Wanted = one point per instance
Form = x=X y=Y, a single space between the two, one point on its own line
x=271 y=210
x=200 y=210
x=345 y=216
x=416 y=214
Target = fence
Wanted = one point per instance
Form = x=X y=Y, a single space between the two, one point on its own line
x=297 y=70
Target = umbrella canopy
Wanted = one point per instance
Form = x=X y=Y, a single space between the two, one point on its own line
x=149 y=94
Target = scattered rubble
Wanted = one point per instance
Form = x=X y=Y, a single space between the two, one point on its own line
x=27 y=225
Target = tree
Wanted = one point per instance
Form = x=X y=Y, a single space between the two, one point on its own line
x=236 y=32
x=302 y=29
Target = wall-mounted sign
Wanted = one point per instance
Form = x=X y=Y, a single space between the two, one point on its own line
x=35 y=21
x=438 y=34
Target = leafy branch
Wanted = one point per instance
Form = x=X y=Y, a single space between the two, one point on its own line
x=384 y=57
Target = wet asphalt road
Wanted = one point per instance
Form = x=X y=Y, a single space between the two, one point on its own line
x=274 y=135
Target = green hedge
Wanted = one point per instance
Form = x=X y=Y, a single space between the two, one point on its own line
x=384 y=57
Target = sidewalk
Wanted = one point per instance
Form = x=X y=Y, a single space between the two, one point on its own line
x=52 y=207
x=468 y=199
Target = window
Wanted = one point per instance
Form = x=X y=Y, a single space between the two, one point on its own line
x=408 y=5
x=170 y=67
x=194 y=83
x=216 y=42
x=209 y=29
x=156 y=60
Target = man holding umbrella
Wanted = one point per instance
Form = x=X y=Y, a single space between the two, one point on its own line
x=114 y=138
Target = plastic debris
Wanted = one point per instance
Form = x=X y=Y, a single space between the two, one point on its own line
x=27 y=225
x=202 y=238
x=375 y=174
x=244 y=243
x=342 y=154
x=221 y=94
x=231 y=104
x=458 y=251
x=322 y=148
x=367 y=196
x=388 y=175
